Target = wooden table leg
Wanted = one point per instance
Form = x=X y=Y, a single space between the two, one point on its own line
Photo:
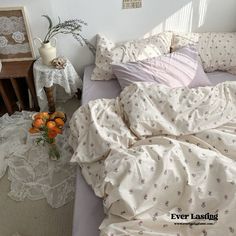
x=30 y=83
x=79 y=93
x=50 y=98
x=6 y=99
x=17 y=92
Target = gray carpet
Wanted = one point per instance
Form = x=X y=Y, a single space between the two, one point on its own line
x=32 y=218
x=35 y=218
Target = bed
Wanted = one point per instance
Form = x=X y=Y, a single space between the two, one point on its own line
x=88 y=210
x=160 y=154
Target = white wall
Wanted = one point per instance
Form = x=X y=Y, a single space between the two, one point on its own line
x=106 y=16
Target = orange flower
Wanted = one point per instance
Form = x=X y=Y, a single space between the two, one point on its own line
x=42 y=115
x=52 y=134
x=34 y=130
x=37 y=116
x=51 y=124
x=45 y=115
x=38 y=123
x=57 y=130
x=59 y=122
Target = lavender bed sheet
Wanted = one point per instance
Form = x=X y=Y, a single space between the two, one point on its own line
x=88 y=209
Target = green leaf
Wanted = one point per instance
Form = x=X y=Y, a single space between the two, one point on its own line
x=49 y=21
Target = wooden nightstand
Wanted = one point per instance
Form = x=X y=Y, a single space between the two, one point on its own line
x=10 y=88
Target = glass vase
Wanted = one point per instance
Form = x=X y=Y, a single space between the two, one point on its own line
x=53 y=152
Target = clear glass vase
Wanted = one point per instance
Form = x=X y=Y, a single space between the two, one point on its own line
x=53 y=152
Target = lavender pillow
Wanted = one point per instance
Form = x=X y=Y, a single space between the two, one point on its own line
x=178 y=69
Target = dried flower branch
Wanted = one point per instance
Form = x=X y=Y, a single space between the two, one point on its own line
x=73 y=27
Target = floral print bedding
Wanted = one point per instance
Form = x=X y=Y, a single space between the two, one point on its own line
x=108 y=52
x=216 y=50
x=162 y=159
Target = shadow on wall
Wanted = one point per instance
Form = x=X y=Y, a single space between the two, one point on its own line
x=107 y=17
x=198 y=16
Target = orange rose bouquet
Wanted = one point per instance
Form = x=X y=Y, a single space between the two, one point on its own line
x=48 y=126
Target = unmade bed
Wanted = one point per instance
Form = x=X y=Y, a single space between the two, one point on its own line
x=88 y=209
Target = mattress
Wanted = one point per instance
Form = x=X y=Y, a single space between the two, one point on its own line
x=88 y=209
x=219 y=76
x=98 y=89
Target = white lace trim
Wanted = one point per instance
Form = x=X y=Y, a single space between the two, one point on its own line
x=14 y=49
x=45 y=76
x=31 y=173
x=9 y=25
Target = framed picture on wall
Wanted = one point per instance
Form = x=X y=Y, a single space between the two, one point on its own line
x=15 y=38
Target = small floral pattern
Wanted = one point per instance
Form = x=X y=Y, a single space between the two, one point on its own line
x=3 y=41
x=19 y=37
x=108 y=52
x=216 y=50
x=168 y=159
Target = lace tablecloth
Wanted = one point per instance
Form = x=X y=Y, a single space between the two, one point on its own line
x=47 y=76
x=32 y=174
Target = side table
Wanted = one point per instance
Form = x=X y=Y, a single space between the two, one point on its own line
x=45 y=77
x=14 y=72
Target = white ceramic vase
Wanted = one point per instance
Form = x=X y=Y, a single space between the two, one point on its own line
x=47 y=51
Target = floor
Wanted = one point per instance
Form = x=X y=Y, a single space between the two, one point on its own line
x=35 y=218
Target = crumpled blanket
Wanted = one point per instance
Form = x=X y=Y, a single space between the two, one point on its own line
x=163 y=159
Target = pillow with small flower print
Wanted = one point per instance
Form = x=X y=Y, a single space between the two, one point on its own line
x=108 y=52
x=216 y=50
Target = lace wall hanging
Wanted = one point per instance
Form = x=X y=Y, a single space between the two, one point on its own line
x=15 y=39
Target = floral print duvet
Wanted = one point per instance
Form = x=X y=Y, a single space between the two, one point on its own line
x=162 y=159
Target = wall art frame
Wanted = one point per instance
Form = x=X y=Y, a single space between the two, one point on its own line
x=15 y=37
x=131 y=4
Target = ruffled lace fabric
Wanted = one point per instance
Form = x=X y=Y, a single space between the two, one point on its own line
x=32 y=174
x=48 y=76
x=13 y=49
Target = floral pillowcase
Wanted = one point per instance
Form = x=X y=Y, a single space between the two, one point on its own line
x=108 y=52
x=216 y=50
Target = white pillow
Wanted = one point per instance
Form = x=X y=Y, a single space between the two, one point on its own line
x=109 y=52
x=216 y=50
x=180 y=40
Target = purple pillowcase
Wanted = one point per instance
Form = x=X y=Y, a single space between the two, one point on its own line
x=178 y=69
